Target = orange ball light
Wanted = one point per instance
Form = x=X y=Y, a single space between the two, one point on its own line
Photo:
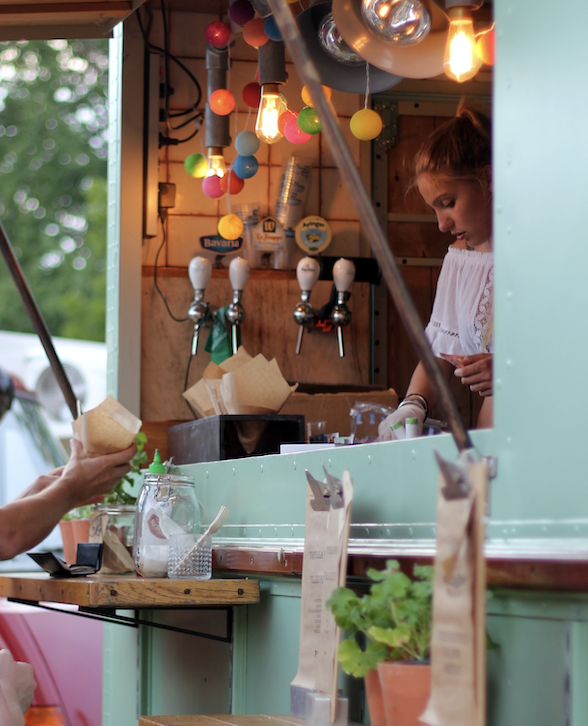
x=306 y=95
x=485 y=47
x=222 y=102
x=284 y=118
x=254 y=33
x=230 y=226
x=231 y=183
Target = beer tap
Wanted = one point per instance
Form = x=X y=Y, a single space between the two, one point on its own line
x=307 y=272
x=343 y=277
x=239 y=271
x=199 y=271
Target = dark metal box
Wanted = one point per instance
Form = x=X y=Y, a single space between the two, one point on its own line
x=217 y=437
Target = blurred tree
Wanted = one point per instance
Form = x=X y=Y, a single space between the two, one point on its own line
x=53 y=149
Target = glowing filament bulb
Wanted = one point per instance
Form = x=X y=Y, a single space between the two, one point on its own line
x=271 y=107
x=216 y=162
x=461 y=62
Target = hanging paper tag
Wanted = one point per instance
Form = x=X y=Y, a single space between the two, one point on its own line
x=313 y=234
x=269 y=236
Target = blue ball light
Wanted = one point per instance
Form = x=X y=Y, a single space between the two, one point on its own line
x=271 y=29
x=245 y=166
x=246 y=143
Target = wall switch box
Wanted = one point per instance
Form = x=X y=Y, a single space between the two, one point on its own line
x=167 y=195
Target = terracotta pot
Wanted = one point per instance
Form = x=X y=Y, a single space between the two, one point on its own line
x=69 y=548
x=375 y=700
x=80 y=532
x=406 y=688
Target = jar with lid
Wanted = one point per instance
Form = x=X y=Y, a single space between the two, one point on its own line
x=167 y=505
x=113 y=525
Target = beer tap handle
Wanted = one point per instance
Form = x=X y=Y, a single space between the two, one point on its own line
x=343 y=274
x=199 y=271
x=343 y=277
x=239 y=272
x=307 y=273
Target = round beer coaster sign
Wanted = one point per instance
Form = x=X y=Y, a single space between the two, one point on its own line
x=313 y=234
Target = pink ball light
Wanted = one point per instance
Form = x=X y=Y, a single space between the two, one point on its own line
x=211 y=187
x=217 y=34
x=294 y=134
x=284 y=118
x=222 y=102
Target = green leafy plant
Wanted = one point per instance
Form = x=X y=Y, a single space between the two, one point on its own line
x=394 y=618
x=119 y=495
x=84 y=512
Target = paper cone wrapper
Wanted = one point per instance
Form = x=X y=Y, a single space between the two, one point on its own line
x=106 y=429
x=213 y=387
x=199 y=398
x=234 y=362
x=256 y=387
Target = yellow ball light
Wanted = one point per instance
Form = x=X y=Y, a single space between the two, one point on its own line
x=366 y=124
x=230 y=226
x=306 y=95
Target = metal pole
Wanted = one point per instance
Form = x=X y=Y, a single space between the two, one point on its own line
x=37 y=320
x=367 y=216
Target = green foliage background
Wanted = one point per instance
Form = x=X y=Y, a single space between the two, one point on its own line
x=53 y=150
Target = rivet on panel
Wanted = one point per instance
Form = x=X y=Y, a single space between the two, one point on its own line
x=509 y=295
x=234 y=471
x=294 y=464
x=508 y=363
x=410 y=532
x=330 y=463
x=508 y=440
x=207 y=475
x=413 y=453
x=261 y=468
x=498 y=383
x=509 y=230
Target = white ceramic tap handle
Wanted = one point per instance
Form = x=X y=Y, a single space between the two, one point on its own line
x=343 y=274
x=239 y=271
x=199 y=271
x=307 y=272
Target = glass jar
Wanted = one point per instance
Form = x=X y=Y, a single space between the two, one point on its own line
x=166 y=505
x=114 y=526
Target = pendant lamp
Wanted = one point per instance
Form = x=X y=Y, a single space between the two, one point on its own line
x=403 y=54
x=338 y=65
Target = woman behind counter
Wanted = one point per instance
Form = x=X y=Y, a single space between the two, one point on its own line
x=453 y=174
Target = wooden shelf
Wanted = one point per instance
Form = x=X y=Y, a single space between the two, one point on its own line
x=128 y=591
x=226 y=720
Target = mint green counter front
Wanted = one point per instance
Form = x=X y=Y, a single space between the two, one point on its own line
x=535 y=676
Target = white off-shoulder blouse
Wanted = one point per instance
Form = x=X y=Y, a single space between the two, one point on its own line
x=463 y=304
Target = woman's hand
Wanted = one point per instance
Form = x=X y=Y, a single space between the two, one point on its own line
x=476 y=372
x=408 y=410
x=17 y=687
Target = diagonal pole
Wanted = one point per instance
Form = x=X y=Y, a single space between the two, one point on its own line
x=37 y=320
x=369 y=221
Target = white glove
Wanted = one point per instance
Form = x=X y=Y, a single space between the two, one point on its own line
x=407 y=410
x=17 y=688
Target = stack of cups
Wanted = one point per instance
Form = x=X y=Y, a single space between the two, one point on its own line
x=250 y=215
x=290 y=207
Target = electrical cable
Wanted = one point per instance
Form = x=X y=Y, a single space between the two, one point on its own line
x=161 y=295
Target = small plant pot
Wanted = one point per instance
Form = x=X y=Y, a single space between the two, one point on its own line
x=375 y=699
x=81 y=533
x=69 y=548
x=406 y=688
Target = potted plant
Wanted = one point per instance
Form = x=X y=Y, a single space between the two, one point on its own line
x=388 y=641
x=75 y=528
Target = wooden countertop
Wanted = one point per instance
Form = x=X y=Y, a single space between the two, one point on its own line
x=223 y=720
x=121 y=591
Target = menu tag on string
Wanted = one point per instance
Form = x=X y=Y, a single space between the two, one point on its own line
x=324 y=569
x=458 y=643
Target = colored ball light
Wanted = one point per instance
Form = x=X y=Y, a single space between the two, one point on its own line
x=196 y=165
x=271 y=29
x=245 y=166
x=284 y=118
x=217 y=34
x=309 y=121
x=251 y=94
x=246 y=143
x=230 y=226
x=222 y=102
x=366 y=124
x=485 y=47
x=254 y=34
x=231 y=183
x=306 y=95
x=211 y=187
x=294 y=134
x=241 y=12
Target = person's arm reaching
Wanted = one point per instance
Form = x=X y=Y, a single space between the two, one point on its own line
x=84 y=480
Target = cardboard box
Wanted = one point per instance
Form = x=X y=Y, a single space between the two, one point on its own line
x=334 y=408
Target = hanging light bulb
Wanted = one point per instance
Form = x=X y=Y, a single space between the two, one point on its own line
x=333 y=44
x=461 y=62
x=402 y=22
x=216 y=162
x=271 y=107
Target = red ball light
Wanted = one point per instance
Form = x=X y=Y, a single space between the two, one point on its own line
x=254 y=33
x=251 y=94
x=222 y=102
x=284 y=118
x=294 y=134
x=211 y=187
x=217 y=34
x=241 y=12
x=230 y=182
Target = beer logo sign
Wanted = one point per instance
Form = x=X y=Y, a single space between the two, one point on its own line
x=219 y=245
x=313 y=234
x=269 y=236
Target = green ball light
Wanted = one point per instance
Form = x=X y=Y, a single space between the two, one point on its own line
x=308 y=121
x=196 y=165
